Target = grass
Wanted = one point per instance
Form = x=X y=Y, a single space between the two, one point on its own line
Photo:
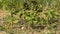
x=30 y=16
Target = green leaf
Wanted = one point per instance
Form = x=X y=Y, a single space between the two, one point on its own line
x=2 y=28
x=8 y=17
